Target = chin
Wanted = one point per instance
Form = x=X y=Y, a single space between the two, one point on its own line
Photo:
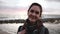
x=32 y=20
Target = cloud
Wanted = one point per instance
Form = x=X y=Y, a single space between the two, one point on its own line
x=54 y=5
x=14 y=4
x=9 y=3
x=54 y=0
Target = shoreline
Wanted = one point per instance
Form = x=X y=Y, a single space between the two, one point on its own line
x=3 y=32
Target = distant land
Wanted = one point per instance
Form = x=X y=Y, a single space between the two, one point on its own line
x=8 y=17
x=50 y=16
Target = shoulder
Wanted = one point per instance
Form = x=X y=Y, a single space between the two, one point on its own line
x=46 y=28
x=46 y=31
x=20 y=28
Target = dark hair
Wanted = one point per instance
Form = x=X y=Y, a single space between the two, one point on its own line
x=36 y=4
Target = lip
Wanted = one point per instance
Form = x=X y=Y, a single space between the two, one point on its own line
x=32 y=17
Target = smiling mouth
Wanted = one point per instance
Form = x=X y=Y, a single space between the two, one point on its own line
x=33 y=17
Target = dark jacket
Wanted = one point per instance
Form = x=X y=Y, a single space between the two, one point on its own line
x=33 y=30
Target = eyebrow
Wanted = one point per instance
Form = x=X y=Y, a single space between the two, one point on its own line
x=37 y=12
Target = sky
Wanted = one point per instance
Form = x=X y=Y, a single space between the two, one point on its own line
x=20 y=7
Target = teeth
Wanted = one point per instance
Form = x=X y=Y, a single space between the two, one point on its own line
x=33 y=17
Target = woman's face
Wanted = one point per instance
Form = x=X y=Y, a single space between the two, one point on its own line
x=34 y=13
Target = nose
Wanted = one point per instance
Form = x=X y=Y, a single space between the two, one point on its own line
x=34 y=14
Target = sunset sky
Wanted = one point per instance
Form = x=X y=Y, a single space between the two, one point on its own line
x=20 y=7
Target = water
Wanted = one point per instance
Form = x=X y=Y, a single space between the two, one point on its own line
x=12 y=17
x=12 y=28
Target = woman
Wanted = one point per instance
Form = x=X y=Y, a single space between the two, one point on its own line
x=33 y=24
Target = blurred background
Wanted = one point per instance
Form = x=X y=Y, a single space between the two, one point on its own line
x=13 y=14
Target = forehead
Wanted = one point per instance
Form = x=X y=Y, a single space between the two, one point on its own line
x=35 y=8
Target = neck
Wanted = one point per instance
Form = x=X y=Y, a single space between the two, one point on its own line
x=38 y=23
x=32 y=23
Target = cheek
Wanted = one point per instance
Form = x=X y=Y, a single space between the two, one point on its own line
x=38 y=16
x=29 y=14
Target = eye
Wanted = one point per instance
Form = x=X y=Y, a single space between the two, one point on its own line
x=37 y=12
x=32 y=11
